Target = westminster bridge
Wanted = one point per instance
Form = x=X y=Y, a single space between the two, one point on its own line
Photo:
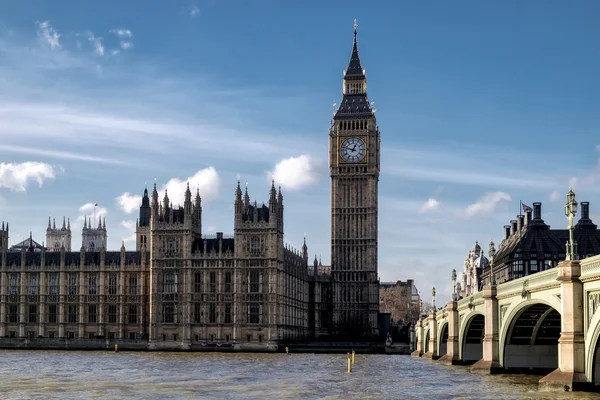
x=545 y=322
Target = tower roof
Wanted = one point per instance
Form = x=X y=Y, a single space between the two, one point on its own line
x=354 y=70
x=354 y=104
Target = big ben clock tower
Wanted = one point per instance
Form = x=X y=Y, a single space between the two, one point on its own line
x=354 y=166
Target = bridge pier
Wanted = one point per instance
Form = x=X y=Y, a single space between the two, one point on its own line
x=420 y=331
x=451 y=356
x=432 y=353
x=490 y=363
x=570 y=374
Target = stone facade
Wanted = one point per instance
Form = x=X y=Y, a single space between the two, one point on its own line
x=401 y=300
x=354 y=155
x=470 y=279
x=182 y=290
x=58 y=237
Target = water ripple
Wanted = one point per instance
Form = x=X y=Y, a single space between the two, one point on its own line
x=140 y=375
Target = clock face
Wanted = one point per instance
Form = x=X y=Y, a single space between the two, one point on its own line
x=353 y=150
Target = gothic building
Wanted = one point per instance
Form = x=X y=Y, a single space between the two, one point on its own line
x=530 y=245
x=470 y=279
x=183 y=289
x=354 y=167
x=57 y=238
x=93 y=238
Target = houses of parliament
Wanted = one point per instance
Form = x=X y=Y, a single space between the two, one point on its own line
x=182 y=289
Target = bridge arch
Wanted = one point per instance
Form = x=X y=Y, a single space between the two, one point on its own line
x=592 y=350
x=426 y=344
x=529 y=335
x=470 y=339
x=442 y=340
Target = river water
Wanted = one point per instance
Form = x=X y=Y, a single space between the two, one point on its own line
x=149 y=375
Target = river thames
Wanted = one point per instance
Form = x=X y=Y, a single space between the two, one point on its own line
x=145 y=375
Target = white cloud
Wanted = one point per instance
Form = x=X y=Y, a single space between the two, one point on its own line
x=48 y=34
x=86 y=211
x=554 y=196
x=129 y=202
x=487 y=204
x=206 y=180
x=430 y=205
x=126 y=45
x=16 y=176
x=194 y=10
x=97 y=43
x=130 y=226
x=295 y=172
x=122 y=33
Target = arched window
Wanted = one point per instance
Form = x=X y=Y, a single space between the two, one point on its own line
x=92 y=246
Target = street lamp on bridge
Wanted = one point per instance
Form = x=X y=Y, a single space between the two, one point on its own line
x=570 y=211
x=454 y=295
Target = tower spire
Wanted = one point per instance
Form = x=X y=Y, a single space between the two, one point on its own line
x=354 y=68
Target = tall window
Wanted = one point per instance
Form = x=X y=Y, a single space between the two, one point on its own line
x=212 y=313
x=13 y=313
x=132 y=285
x=228 y=283
x=213 y=281
x=92 y=317
x=255 y=280
x=72 y=313
x=112 y=283
x=170 y=281
x=253 y=313
x=53 y=284
x=32 y=313
x=112 y=313
x=227 y=313
x=198 y=282
x=517 y=268
x=197 y=313
x=52 y=308
x=14 y=284
x=132 y=314
x=169 y=313
x=72 y=284
x=33 y=284
x=93 y=284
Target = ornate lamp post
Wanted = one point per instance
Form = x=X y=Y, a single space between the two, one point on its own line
x=433 y=299
x=492 y=252
x=420 y=307
x=454 y=296
x=570 y=211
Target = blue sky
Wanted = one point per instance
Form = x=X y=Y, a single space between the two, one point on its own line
x=480 y=105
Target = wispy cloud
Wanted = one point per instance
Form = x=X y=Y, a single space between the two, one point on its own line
x=194 y=11
x=64 y=155
x=122 y=33
x=97 y=43
x=48 y=34
x=18 y=176
x=430 y=205
x=488 y=203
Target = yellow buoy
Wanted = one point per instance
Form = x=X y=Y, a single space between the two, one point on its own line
x=116 y=347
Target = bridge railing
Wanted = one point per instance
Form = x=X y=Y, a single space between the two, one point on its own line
x=530 y=283
x=590 y=267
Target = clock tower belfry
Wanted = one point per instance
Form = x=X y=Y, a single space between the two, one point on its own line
x=354 y=151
